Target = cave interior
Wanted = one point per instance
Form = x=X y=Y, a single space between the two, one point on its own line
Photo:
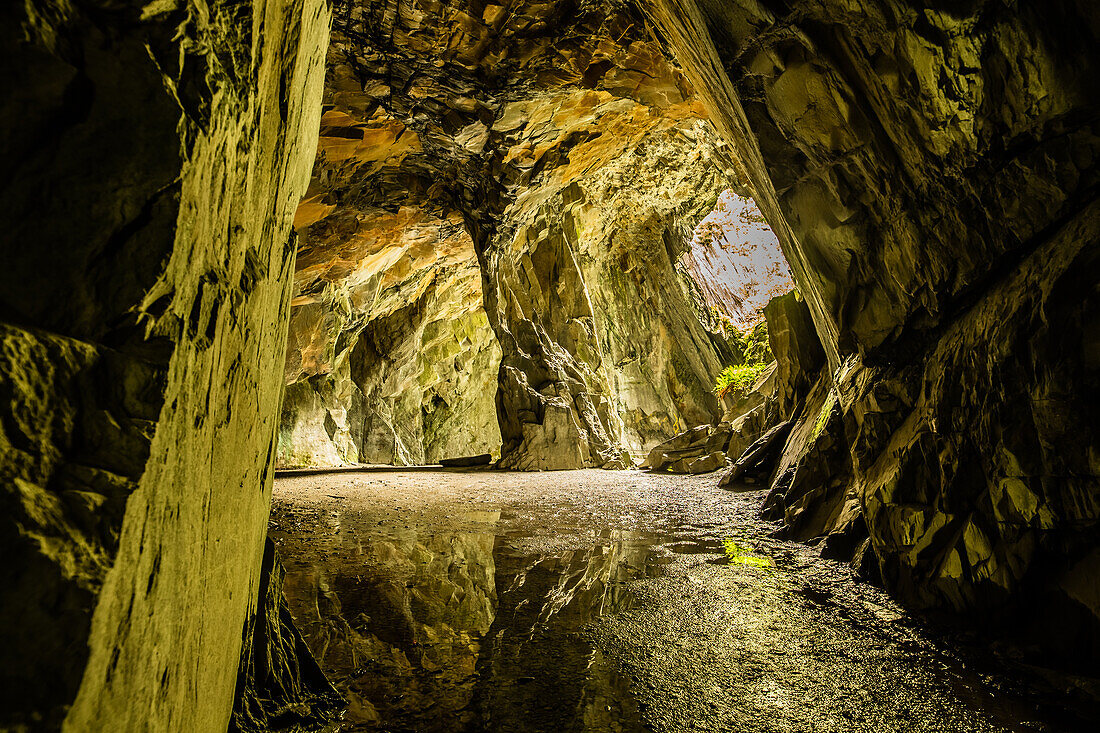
x=259 y=237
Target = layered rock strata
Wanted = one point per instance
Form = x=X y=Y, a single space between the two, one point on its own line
x=574 y=157
x=931 y=174
x=152 y=159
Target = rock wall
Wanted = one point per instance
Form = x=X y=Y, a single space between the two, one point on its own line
x=608 y=342
x=152 y=159
x=572 y=157
x=390 y=357
x=931 y=174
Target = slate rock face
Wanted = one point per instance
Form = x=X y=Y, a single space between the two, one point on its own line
x=799 y=356
x=390 y=357
x=559 y=141
x=152 y=159
x=811 y=488
x=931 y=174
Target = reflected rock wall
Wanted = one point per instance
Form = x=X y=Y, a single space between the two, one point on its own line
x=397 y=623
x=444 y=630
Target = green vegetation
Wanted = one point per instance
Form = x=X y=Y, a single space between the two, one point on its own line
x=737 y=379
x=823 y=416
x=743 y=555
x=725 y=323
x=754 y=348
x=754 y=345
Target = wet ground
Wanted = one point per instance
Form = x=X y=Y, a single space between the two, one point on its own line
x=608 y=601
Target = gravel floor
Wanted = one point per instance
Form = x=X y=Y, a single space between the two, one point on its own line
x=608 y=601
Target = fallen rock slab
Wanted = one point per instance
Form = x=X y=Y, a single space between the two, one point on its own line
x=708 y=463
x=483 y=459
x=760 y=457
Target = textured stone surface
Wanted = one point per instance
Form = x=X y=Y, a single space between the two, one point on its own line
x=562 y=146
x=931 y=175
x=701 y=449
x=603 y=235
x=812 y=489
x=151 y=160
x=799 y=356
x=390 y=357
x=405 y=630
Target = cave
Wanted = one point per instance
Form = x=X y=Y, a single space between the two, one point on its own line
x=603 y=365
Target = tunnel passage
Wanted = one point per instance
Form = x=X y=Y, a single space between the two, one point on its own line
x=930 y=172
x=736 y=261
x=932 y=196
x=390 y=357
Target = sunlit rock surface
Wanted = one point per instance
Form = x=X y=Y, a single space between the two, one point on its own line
x=931 y=175
x=559 y=144
x=152 y=159
x=593 y=259
x=736 y=259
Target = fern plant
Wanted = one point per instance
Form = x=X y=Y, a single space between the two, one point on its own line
x=738 y=379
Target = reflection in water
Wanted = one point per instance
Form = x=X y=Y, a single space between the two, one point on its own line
x=452 y=631
x=430 y=618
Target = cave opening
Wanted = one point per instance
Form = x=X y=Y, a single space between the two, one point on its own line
x=737 y=262
x=552 y=245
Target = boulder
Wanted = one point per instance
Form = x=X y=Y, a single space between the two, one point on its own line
x=758 y=460
x=708 y=463
x=701 y=449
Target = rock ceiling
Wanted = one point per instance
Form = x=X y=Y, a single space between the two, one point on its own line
x=554 y=144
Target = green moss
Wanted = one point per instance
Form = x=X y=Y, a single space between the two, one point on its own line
x=823 y=416
x=754 y=345
x=743 y=555
x=756 y=355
